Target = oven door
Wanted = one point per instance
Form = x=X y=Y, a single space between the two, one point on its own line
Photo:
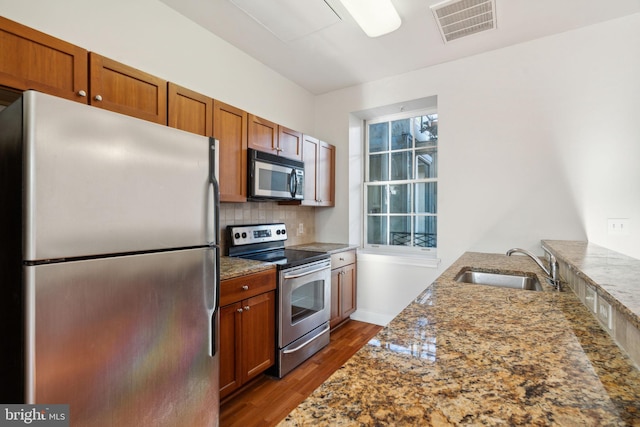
x=305 y=300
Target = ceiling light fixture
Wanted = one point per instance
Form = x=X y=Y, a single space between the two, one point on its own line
x=375 y=17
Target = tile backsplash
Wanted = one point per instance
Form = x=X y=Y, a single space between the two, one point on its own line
x=267 y=212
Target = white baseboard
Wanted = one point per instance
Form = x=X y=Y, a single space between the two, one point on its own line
x=371 y=317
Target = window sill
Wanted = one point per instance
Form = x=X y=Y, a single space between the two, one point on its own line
x=419 y=260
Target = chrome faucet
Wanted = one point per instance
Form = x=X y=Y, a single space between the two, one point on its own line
x=553 y=276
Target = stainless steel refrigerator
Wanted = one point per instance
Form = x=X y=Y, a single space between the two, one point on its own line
x=109 y=266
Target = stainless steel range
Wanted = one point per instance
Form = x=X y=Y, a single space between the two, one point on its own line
x=304 y=290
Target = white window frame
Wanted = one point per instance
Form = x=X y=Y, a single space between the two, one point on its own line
x=394 y=249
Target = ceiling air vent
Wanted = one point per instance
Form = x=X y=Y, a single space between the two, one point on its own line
x=460 y=18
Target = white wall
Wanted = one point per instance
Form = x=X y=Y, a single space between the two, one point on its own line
x=150 y=36
x=537 y=141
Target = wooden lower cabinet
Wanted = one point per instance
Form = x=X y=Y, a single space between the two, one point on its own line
x=247 y=330
x=343 y=287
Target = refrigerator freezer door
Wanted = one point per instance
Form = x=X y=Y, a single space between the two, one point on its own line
x=125 y=341
x=98 y=182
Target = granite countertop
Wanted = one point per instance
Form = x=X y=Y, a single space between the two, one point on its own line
x=330 y=248
x=231 y=267
x=615 y=274
x=473 y=354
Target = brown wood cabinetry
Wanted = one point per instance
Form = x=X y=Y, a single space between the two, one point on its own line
x=319 y=170
x=343 y=286
x=289 y=143
x=30 y=59
x=230 y=128
x=123 y=89
x=247 y=328
x=268 y=136
x=189 y=110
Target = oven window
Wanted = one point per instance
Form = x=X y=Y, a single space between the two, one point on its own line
x=307 y=300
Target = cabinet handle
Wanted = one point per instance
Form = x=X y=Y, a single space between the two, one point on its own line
x=239 y=310
x=98 y=97
x=82 y=93
x=341 y=258
x=245 y=287
x=247 y=308
x=278 y=149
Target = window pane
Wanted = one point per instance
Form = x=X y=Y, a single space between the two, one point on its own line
x=400 y=233
x=401 y=134
x=426 y=197
x=377 y=199
x=425 y=234
x=379 y=167
x=426 y=162
x=401 y=165
x=377 y=230
x=379 y=137
x=400 y=198
x=426 y=130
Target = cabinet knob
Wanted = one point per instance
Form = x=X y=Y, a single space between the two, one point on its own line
x=247 y=308
x=82 y=93
x=239 y=310
x=245 y=287
x=98 y=97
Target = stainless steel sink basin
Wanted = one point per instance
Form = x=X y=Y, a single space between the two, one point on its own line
x=515 y=281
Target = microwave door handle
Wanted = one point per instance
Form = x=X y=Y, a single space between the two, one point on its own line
x=293 y=183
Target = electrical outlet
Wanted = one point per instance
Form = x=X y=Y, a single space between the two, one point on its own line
x=300 y=228
x=618 y=226
x=604 y=313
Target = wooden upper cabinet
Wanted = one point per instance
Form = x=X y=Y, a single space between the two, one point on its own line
x=326 y=172
x=319 y=172
x=189 y=110
x=270 y=137
x=230 y=128
x=289 y=143
x=30 y=59
x=263 y=134
x=123 y=89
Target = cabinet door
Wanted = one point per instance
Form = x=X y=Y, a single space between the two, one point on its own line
x=30 y=59
x=189 y=110
x=230 y=370
x=310 y=149
x=335 y=297
x=263 y=134
x=348 y=291
x=258 y=334
x=230 y=128
x=325 y=187
x=289 y=143
x=123 y=89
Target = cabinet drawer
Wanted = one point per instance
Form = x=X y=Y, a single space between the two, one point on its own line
x=239 y=288
x=343 y=258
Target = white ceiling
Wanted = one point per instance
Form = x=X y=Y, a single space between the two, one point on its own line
x=337 y=53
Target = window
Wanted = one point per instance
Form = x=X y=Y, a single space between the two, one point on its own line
x=401 y=182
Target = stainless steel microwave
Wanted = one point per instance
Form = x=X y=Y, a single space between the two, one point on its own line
x=274 y=178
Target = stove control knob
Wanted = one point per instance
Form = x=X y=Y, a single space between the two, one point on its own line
x=236 y=236
x=244 y=235
x=278 y=232
x=283 y=232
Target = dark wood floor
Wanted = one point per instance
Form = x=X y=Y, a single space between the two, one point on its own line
x=268 y=400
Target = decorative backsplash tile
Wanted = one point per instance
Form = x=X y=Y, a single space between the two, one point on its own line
x=267 y=212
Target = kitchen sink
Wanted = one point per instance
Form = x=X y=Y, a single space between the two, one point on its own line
x=503 y=280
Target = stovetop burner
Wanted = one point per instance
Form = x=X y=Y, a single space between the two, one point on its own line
x=265 y=242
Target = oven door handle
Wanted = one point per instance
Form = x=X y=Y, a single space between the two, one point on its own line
x=295 y=276
x=304 y=344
